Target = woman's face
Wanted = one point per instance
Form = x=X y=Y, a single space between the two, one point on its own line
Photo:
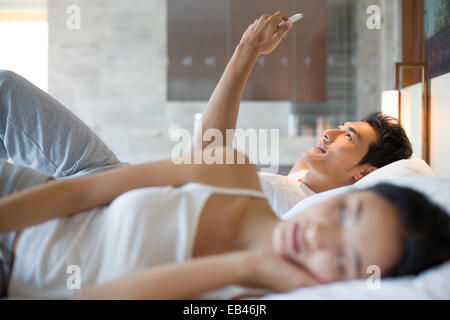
x=339 y=238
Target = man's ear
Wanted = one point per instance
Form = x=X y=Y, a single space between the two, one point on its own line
x=363 y=171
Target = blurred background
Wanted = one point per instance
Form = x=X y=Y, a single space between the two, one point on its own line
x=136 y=70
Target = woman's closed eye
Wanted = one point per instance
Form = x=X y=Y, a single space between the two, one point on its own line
x=349 y=215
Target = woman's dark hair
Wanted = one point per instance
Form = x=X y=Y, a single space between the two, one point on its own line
x=392 y=142
x=426 y=237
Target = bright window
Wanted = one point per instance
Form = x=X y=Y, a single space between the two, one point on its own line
x=24 y=44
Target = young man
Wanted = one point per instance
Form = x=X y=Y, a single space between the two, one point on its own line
x=341 y=157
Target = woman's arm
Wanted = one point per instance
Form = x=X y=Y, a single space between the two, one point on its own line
x=59 y=198
x=255 y=268
x=174 y=281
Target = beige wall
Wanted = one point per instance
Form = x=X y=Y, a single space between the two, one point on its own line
x=439 y=122
x=440 y=125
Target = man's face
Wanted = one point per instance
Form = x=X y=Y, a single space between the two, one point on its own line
x=338 y=152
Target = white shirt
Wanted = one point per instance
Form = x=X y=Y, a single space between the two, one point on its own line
x=283 y=192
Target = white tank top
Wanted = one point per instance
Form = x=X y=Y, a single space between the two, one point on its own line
x=141 y=228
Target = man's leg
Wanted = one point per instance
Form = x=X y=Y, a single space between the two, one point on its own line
x=39 y=132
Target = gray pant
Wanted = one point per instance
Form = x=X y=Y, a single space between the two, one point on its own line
x=38 y=132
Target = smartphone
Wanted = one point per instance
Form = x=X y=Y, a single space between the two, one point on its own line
x=292 y=19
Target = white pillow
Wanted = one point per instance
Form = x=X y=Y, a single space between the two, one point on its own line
x=430 y=284
x=401 y=168
x=316 y=198
x=436 y=189
x=413 y=167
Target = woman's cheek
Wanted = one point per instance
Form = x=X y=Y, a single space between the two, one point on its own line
x=322 y=267
x=278 y=239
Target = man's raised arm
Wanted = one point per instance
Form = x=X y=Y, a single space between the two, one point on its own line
x=221 y=113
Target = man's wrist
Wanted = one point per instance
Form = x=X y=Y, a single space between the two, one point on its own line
x=248 y=50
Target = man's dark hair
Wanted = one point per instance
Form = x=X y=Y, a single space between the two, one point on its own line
x=426 y=234
x=392 y=143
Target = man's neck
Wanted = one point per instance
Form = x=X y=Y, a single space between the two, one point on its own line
x=318 y=182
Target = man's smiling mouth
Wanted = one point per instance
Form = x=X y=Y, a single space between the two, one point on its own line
x=320 y=147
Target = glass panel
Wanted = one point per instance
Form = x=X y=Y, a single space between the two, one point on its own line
x=271 y=77
x=202 y=35
x=314 y=66
x=197 y=47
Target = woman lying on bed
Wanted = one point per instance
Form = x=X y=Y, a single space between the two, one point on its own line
x=201 y=227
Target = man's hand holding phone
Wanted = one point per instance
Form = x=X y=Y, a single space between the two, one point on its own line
x=265 y=33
